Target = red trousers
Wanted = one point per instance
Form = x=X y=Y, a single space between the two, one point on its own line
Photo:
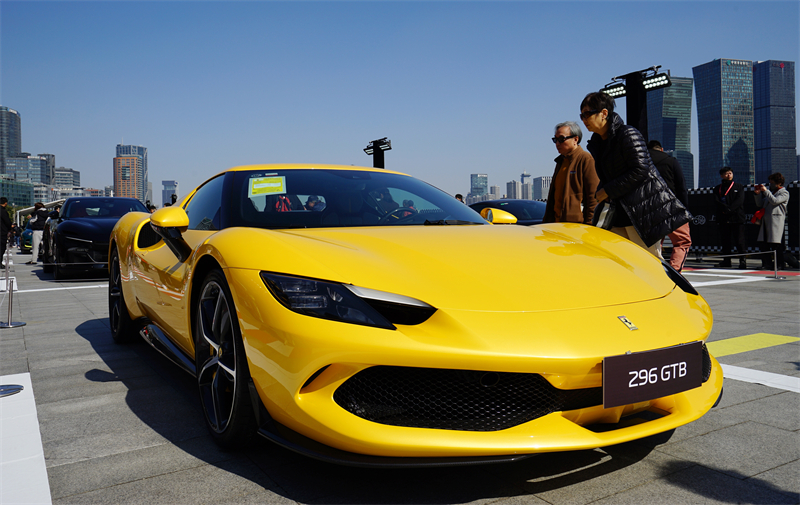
x=681 y=241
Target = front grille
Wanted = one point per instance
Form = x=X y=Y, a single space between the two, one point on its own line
x=706 y=364
x=465 y=400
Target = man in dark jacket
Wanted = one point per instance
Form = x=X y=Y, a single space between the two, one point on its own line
x=729 y=197
x=672 y=173
x=5 y=228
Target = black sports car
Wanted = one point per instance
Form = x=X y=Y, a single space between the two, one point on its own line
x=527 y=212
x=78 y=238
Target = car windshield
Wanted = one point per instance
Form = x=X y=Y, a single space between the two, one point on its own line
x=521 y=209
x=319 y=198
x=101 y=207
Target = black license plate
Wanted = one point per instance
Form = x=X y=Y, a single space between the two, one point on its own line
x=642 y=376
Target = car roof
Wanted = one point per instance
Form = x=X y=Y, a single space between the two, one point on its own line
x=307 y=166
x=99 y=198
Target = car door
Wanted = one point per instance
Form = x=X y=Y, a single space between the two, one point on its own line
x=169 y=309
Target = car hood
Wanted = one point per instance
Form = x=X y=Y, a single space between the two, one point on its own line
x=467 y=267
x=95 y=228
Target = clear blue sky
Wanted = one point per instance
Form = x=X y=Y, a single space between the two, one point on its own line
x=458 y=87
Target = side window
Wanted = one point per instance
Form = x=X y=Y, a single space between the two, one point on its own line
x=204 y=207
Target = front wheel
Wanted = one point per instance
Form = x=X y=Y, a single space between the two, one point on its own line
x=47 y=261
x=122 y=328
x=58 y=272
x=222 y=371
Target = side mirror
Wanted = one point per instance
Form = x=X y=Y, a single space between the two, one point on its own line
x=497 y=216
x=169 y=223
x=170 y=217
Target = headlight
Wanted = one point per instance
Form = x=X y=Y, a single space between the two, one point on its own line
x=678 y=279
x=346 y=303
x=77 y=245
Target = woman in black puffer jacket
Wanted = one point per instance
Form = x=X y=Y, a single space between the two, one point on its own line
x=646 y=208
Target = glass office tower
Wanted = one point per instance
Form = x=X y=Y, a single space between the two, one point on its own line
x=774 y=119
x=170 y=188
x=669 y=120
x=724 y=91
x=478 y=184
x=10 y=135
x=26 y=168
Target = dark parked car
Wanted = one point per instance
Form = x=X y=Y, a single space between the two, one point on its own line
x=527 y=212
x=78 y=238
x=26 y=239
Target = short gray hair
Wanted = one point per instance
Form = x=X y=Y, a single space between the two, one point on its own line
x=574 y=129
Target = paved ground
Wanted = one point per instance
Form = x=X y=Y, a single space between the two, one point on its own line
x=119 y=424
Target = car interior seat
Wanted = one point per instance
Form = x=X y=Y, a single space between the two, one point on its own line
x=347 y=209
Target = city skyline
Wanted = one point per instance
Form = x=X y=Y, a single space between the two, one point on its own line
x=222 y=84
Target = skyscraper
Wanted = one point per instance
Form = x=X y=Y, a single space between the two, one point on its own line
x=50 y=160
x=541 y=187
x=724 y=90
x=513 y=189
x=669 y=120
x=478 y=184
x=170 y=188
x=141 y=174
x=126 y=177
x=774 y=119
x=10 y=135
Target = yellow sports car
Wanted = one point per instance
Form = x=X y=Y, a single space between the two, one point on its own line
x=362 y=316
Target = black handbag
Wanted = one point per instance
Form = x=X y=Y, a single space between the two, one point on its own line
x=604 y=214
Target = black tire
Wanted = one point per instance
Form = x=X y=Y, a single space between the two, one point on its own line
x=47 y=262
x=44 y=252
x=222 y=371
x=122 y=328
x=59 y=273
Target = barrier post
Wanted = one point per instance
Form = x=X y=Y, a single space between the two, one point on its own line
x=10 y=291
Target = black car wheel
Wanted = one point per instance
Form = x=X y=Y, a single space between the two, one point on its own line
x=222 y=371
x=122 y=328
x=47 y=260
x=58 y=272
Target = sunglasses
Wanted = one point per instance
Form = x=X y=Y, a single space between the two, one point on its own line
x=588 y=114
x=562 y=139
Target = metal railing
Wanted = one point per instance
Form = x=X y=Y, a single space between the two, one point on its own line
x=774 y=255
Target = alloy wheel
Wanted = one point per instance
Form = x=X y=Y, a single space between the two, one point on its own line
x=216 y=377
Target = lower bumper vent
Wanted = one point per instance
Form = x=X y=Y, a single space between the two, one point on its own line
x=465 y=400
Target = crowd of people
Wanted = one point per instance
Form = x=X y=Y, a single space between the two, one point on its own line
x=644 y=190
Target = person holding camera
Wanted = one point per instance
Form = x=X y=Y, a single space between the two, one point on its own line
x=773 y=200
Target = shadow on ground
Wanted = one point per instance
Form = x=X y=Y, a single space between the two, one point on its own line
x=165 y=399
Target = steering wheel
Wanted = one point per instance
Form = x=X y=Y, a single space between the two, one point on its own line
x=385 y=219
